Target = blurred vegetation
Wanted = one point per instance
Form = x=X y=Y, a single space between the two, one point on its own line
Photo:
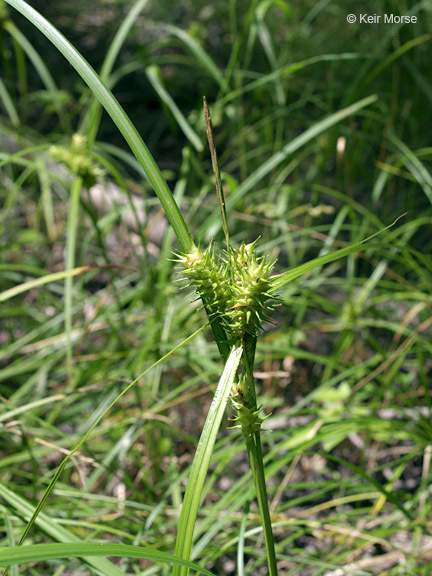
x=345 y=365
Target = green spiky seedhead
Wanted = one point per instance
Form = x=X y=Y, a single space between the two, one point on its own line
x=247 y=419
x=250 y=291
x=206 y=275
x=77 y=158
x=236 y=286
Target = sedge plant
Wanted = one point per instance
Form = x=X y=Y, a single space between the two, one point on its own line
x=237 y=286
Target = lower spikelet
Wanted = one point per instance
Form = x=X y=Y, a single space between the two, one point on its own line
x=247 y=419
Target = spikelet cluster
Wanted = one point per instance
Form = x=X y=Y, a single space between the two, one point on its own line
x=235 y=286
x=247 y=419
x=207 y=276
x=77 y=158
x=250 y=297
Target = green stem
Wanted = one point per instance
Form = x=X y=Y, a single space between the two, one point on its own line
x=253 y=445
x=249 y=346
x=218 y=332
x=70 y=263
x=254 y=449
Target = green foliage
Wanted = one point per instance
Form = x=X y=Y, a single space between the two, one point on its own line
x=321 y=130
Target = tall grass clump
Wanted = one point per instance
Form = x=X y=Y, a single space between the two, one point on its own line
x=305 y=309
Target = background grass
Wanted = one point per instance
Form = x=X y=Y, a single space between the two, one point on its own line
x=345 y=367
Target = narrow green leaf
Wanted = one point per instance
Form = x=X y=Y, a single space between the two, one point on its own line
x=93 y=115
x=10 y=414
x=44 y=552
x=8 y=105
x=415 y=166
x=202 y=57
x=72 y=228
x=53 y=529
x=120 y=38
x=282 y=279
x=155 y=78
x=11 y=292
x=202 y=459
x=11 y=539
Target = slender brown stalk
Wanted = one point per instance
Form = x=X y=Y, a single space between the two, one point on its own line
x=216 y=171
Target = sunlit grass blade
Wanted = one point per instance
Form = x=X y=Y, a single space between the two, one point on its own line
x=202 y=457
x=47 y=199
x=119 y=117
x=120 y=38
x=93 y=115
x=8 y=105
x=154 y=75
x=30 y=406
x=11 y=292
x=415 y=166
x=290 y=275
x=53 y=529
x=241 y=542
x=11 y=539
x=42 y=70
x=72 y=227
x=44 y=552
x=201 y=56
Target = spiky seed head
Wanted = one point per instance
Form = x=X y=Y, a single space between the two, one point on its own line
x=235 y=285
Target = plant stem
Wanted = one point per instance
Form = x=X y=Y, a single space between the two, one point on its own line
x=254 y=449
x=218 y=332
x=253 y=445
x=70 y=264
